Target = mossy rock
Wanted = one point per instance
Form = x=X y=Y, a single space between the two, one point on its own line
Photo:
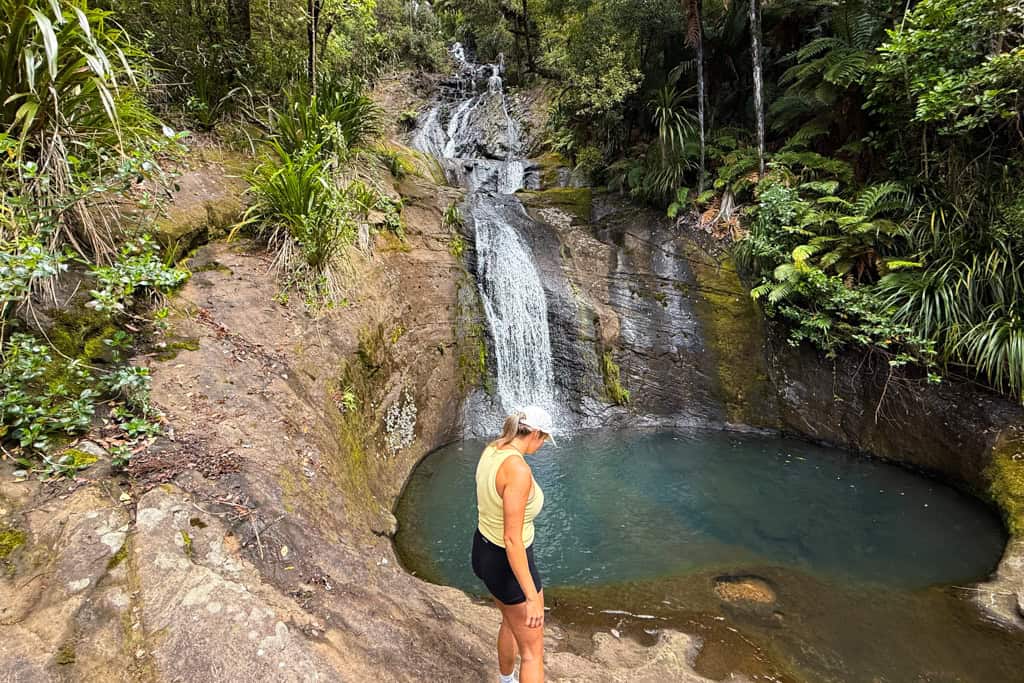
x=734 y=332
x=193 y=223
x=173 y=348
x=79 y=331
x=77 y=459
x=576 y=201
x=613 y=389
x=417 y=163
x=1006 y=474
x=10 y=540
x=548 y=166
x=207 y=202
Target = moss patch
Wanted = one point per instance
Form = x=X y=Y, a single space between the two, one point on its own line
x=734 y=333
x=10 y=540
x=76 y=459
x=470 y=337
x=118 y=557
x=549 y=164
x=613 y=388
x=213 y=266
x=414 y=162
x=66 y=654
x=78 y=332
x=171 y=351
x=576 y=201
x=353 y=404
x=1006 y=474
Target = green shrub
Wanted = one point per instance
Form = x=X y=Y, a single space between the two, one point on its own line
x=452 y=221
x=63 y=69
x=969 y=294
x=334 y=121
x=298 y=208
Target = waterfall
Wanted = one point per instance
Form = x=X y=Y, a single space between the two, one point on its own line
x=515 y=306
x=478 y=142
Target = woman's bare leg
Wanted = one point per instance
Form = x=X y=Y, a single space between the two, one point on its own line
x=507 y=648
x=529 y=640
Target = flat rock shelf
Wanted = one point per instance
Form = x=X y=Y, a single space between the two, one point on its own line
x=861 y=570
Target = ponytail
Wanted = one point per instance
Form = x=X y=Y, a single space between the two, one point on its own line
x=511 y=429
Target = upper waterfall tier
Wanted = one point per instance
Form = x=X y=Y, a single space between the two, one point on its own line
x=471 y=131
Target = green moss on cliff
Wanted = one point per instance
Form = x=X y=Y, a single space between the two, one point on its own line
x=470 y=337
x=353 y=399
x=549 y=164
x=1006 y=474
x=613 y=388
x=576 y=201
x=733 y=330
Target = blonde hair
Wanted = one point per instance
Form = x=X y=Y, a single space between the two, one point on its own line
x=511 y=429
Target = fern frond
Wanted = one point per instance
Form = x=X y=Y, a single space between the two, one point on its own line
x=819 y=46
x=881 y=197
x=807 y=134
x=846 y=67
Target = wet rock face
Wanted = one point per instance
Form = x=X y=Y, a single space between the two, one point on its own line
x=855 y=401
x=662 y=343
x=492 y=127
x=620 y=286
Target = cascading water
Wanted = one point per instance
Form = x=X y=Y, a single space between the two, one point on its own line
x=516 y=309
x=477 y=140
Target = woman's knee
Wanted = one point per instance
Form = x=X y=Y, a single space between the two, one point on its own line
x=532 y=649
x=530 y=640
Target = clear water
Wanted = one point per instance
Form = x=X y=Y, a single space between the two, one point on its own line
x=861 y=553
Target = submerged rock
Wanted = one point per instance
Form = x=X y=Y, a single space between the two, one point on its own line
x=744 y=589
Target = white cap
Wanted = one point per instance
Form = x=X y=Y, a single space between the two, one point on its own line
x=537 y=418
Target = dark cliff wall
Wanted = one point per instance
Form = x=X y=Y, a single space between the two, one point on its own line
x=947 y=428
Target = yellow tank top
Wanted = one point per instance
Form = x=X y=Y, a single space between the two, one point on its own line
x=490 y=513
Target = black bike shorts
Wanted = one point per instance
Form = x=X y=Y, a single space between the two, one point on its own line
x=490 y=564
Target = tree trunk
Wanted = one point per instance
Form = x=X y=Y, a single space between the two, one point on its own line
x=239 y=20
x=312 y=12
x=695 y=38
x=529 y=45
x=755 y=56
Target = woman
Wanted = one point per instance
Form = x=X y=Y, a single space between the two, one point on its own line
x=508 y=499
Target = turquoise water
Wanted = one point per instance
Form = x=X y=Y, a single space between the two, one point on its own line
x=867 y=559
x=636 y=507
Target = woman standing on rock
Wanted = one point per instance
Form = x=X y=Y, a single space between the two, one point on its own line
x=508 y=498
